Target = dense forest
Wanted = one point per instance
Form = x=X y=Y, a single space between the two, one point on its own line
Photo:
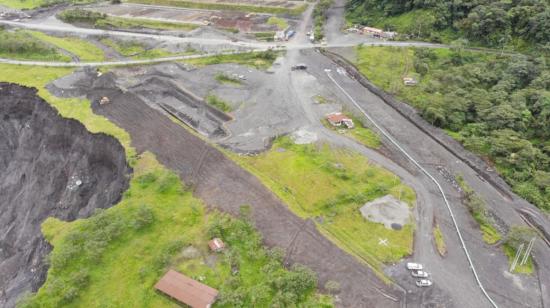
x=498 y=106
x=488 y=22
x=501 y=108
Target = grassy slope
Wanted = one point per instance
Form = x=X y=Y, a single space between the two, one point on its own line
x=413 y=22
x=36 y=50
x=124 y=273
x=73 y=108
x=385 y=67
x=135 y=23
x=22 y=4
x=84 y=50
x=253 y=59
x=331 y=184
x=136 y=50
x=279 y=22
x=115 y=257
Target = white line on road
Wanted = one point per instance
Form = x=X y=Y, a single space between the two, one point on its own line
x=394 y=142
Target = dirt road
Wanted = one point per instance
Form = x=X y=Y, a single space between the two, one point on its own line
x=451 y=273
x=225 y=186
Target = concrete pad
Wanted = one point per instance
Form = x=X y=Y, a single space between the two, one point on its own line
x=387 y=210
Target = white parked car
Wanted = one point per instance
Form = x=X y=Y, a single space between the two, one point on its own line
x=414 y=266
x=424 y=283
x=420 y=274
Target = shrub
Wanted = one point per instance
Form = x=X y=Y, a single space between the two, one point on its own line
x=18 y=42
x=519 y=235
x=144 y=217
x=332 y=287
x=80 y=15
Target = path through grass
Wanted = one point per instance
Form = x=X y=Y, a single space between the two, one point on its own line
x=84 y=50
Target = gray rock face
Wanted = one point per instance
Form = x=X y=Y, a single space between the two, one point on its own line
x=49 y=166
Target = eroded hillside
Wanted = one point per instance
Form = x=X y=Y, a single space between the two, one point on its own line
x=49 y=166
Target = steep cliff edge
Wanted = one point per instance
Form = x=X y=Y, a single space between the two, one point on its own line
x=49 y=166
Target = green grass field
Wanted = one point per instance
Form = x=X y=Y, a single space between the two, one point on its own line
x=21 y=45
x=22 y=4
x=279 y=22
x=114 y=258
x=74 y=108
x=386 y=67
x=258 y=60
x=136 y=50
x=84 y=50
x=329 y=185
x=137 y=23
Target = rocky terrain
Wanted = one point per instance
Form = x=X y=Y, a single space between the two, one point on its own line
x=49 y=166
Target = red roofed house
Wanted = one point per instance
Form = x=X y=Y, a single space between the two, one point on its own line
x=216 y=244
x=339 y=119
x=186 y=290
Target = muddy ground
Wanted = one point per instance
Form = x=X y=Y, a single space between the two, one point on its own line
x=224 y=185
x=49 y=166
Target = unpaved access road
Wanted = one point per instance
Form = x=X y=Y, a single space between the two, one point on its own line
x=451 y=273
x=224 y=185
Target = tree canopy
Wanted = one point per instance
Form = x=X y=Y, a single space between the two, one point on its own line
x=490 y=22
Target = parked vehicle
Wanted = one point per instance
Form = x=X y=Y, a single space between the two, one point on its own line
x=420 y=274
x=299 y=67
x=414 y=266
x=424 y=283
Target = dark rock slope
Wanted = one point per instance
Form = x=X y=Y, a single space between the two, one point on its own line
x=49 y=166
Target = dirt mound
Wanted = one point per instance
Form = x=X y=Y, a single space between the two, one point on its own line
x=49 y=166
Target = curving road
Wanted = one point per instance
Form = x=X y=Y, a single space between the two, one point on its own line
x=299 y=42
x=455 y=281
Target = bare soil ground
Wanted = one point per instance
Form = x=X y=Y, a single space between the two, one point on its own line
x=49 y=166
x=244 y=22
x=225 y=186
